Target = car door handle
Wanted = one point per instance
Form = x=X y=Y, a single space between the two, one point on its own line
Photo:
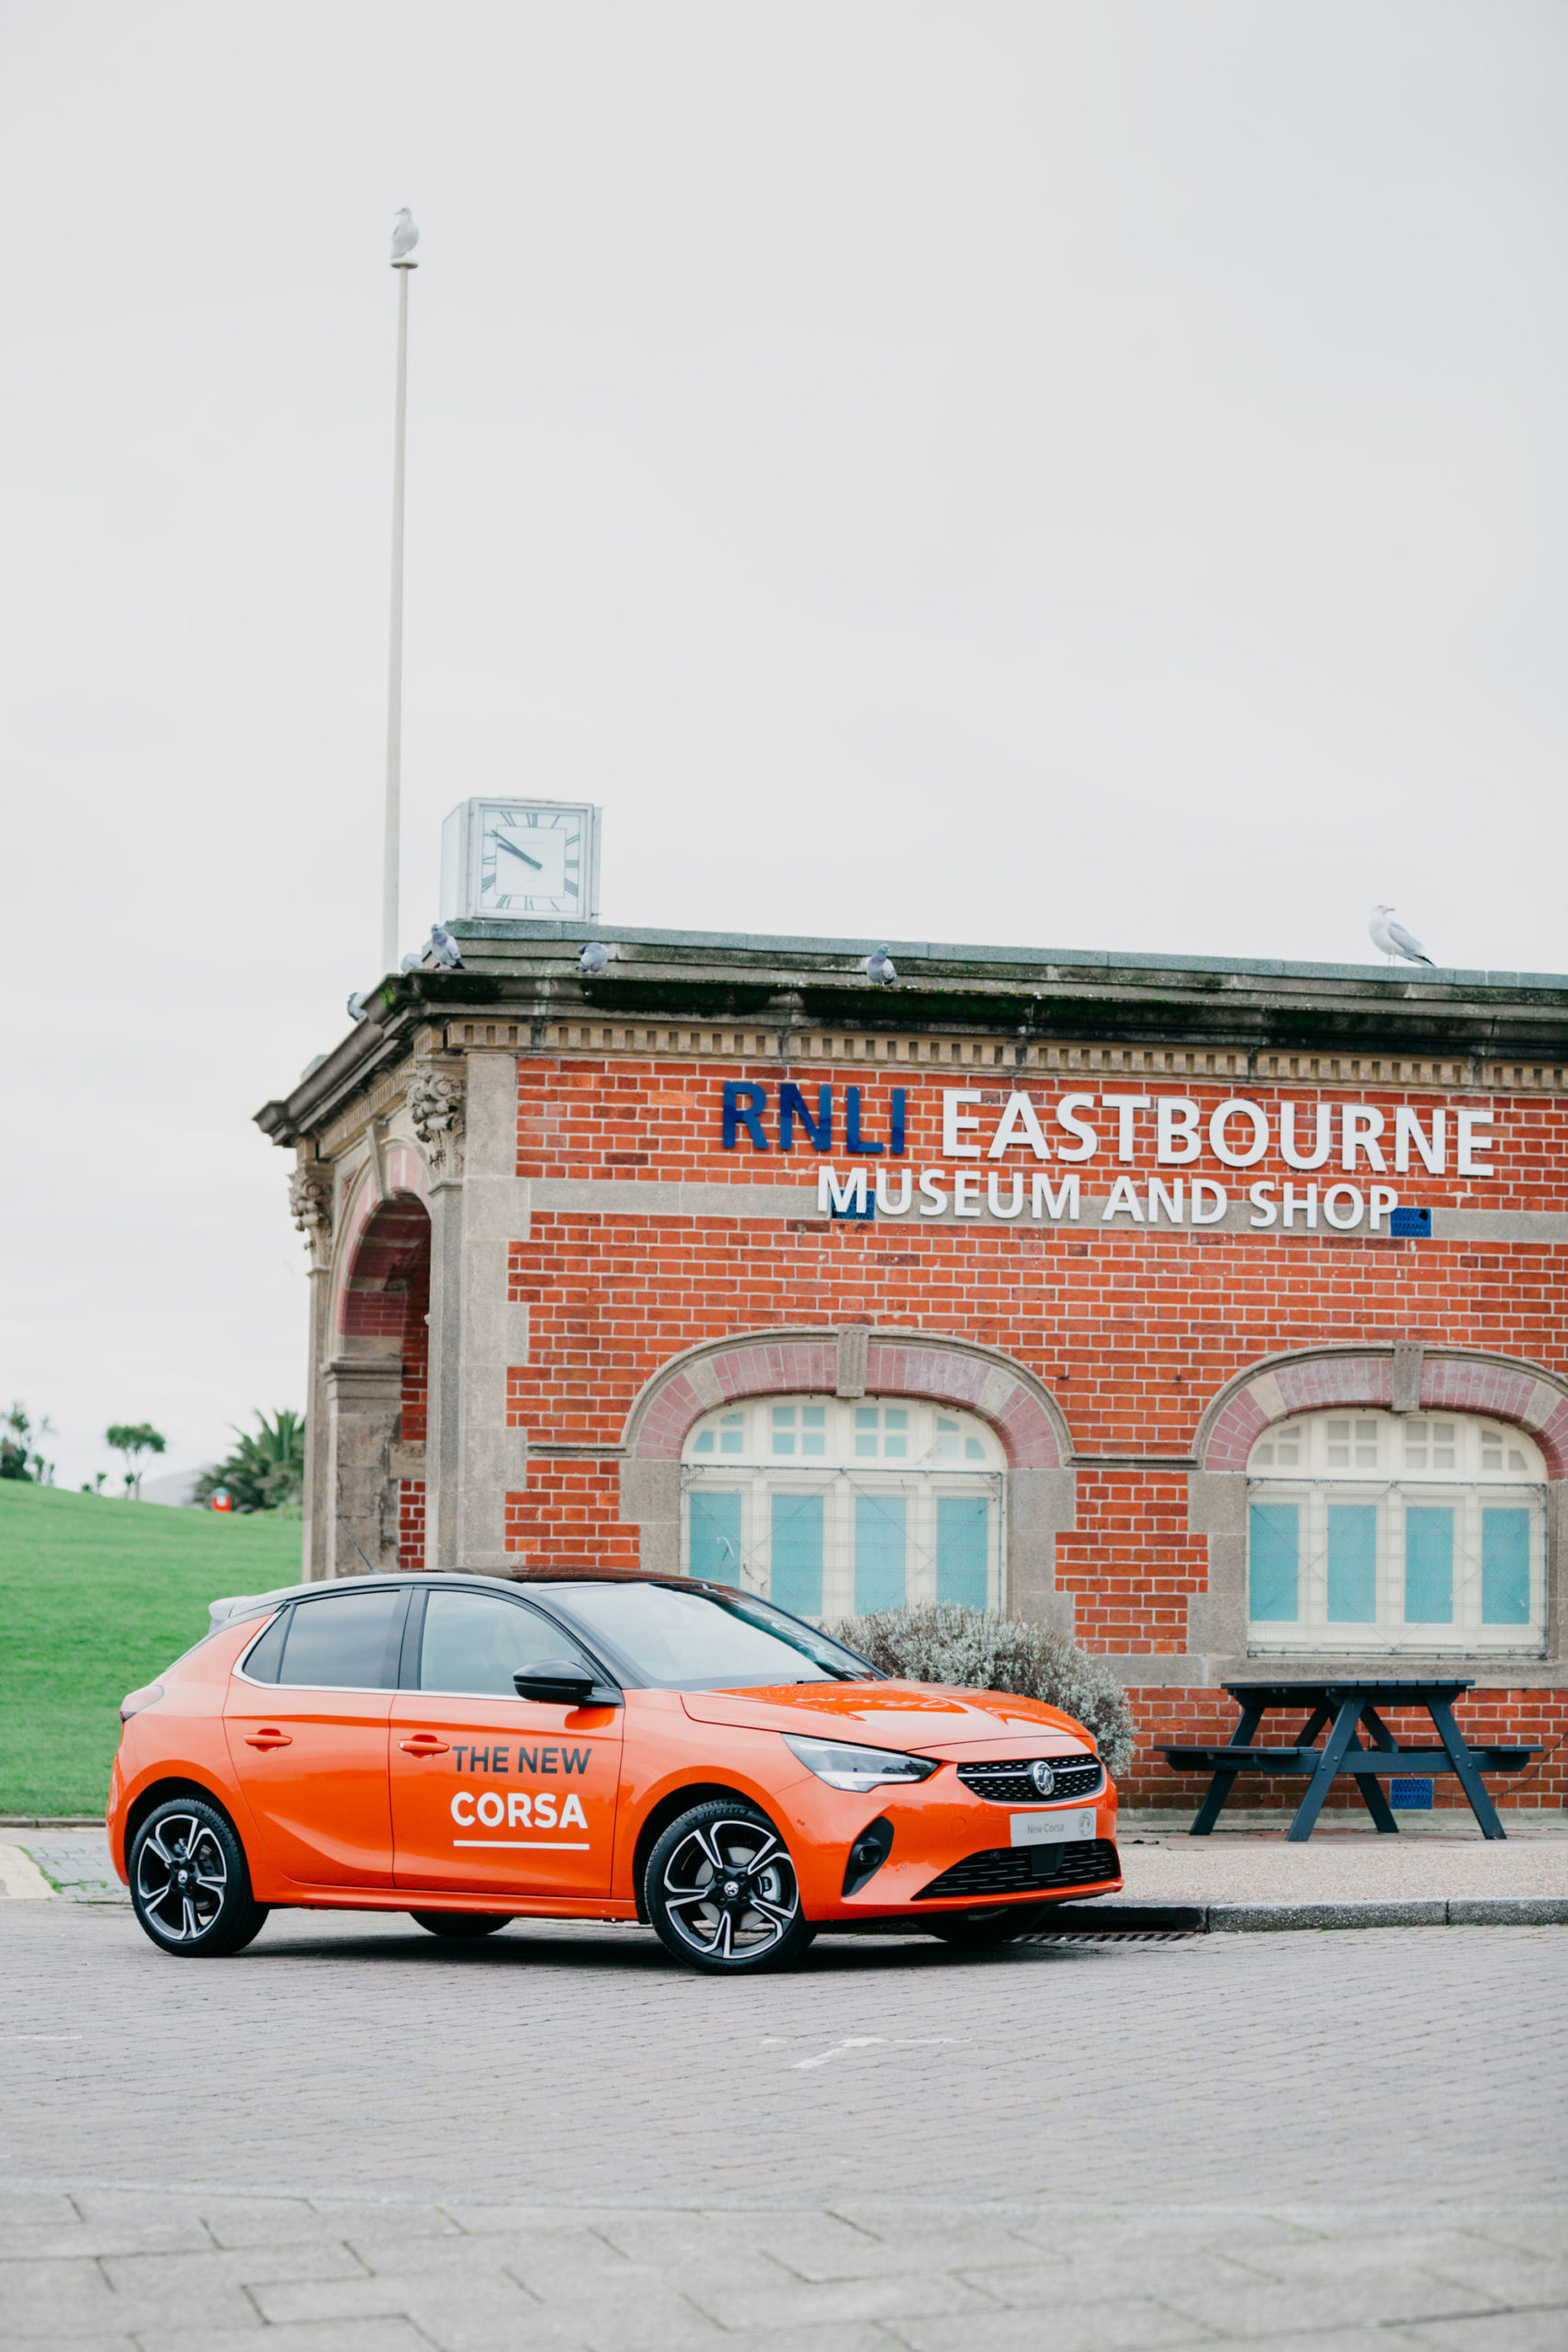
x=268 y=1739
x=424 y=1743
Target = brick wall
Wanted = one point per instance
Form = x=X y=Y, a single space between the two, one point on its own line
x=1490 y=1718
x=1132 y=1330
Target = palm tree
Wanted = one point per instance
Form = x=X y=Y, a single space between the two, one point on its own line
x=266 y=1469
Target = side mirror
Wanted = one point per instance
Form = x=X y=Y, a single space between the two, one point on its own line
x=561 y=1680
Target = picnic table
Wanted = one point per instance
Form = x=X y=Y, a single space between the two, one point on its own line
x=1344 y=1708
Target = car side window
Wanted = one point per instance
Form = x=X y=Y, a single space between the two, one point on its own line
x=347 y=1643
x=265 y=1660
x=474 y=1644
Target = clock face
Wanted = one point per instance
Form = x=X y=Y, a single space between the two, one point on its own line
x=531 y=861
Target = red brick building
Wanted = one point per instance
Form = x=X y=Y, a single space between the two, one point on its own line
x=1214 y=1312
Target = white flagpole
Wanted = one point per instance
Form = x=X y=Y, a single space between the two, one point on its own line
x=403 y=237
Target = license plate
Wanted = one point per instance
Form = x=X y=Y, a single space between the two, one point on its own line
x=1050 y=1828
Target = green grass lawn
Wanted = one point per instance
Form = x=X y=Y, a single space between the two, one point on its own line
x=96 y=1597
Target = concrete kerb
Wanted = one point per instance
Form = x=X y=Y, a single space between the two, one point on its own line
x=1270 y=1918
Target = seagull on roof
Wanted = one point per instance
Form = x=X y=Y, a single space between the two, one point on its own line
x=593 y=958
x=358 y=1006
x=444 y=948
x=1394 y=939
x=405 y=236
x=880 y=967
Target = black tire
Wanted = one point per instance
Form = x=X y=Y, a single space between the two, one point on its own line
x=722 y=1894
x=979 y=1930
x=190 y=1884
x=461 y=1927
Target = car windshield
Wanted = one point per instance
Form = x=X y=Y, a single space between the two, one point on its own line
x=701 y=1640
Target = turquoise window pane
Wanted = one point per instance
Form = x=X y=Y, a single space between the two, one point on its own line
x=1352 y=1564
x=879 y=1552
x=1273 y=1546
x=963 y=1549
x=798 y=1554
x=1504 y=1567
x=1429 y=1566
x=716 y=1538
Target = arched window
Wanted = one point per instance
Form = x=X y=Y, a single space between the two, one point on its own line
x=833 y=1507
x=1408 y=1532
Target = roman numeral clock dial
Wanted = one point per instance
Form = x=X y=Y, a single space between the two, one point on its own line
x=521 y=858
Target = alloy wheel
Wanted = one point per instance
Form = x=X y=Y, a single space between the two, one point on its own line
x=182 y=1877
x=730 y=1890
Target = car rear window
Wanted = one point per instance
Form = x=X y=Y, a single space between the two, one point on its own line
x=699 y=1641
x=347 y=1643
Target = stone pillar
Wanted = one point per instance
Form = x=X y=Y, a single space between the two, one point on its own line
x=364 y=1406
x=1040 y=1505
x=491 y=1336
x=318 y=1447
x=444 y=1404
x=311 y=1192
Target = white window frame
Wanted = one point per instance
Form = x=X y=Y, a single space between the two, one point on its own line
x=1462 y=1461
x=928 y=1471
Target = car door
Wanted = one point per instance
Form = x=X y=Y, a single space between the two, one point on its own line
x=491 y=1793
x=306 y=1719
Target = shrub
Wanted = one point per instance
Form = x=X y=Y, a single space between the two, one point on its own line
x=976 y=1650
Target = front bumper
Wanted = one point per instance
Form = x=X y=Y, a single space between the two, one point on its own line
x=951 y=1851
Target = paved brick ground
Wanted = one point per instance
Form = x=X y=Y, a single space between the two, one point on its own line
x=353 y=2139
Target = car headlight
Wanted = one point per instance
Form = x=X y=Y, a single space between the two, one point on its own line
x=844 y=1767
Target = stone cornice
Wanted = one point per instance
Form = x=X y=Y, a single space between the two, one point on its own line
x=1024 y=1009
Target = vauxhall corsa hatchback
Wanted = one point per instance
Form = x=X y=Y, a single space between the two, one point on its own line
x=589 y=1744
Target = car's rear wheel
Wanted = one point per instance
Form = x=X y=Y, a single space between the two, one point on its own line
x=722 y=1894
x=461 y=1927
x=977 y=1930
x=190 y=1886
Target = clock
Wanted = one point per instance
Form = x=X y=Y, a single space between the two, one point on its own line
x=521 y=858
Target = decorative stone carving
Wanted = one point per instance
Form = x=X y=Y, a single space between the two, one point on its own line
x=436 y=1107
x=310 y=1203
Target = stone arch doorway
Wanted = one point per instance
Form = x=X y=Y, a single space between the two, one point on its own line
x=376 y=1387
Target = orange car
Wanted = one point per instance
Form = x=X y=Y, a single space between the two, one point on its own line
x=589 y=1744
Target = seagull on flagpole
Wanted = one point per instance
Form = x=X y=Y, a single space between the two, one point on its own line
x=1394 y=940
x=405 y=236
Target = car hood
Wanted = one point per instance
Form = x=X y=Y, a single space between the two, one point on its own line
x=911 y=1715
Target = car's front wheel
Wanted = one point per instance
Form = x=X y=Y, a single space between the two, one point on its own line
x=721 y=1891
x=461 y=1927
x=190 y=1886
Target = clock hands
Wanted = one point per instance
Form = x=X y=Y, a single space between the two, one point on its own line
x=501 y=842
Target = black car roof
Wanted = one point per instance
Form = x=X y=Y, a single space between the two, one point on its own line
x=236 y=1606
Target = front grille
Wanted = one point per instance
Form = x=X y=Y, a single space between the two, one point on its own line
x=1010 y=1783
x=1014 y=1869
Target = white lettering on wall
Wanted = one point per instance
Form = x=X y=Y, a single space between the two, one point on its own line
x=1321 y=1148
x=1177 y=1138
x=1020 y=1124
x=1087 y=1142
x=1469 y=1143
x=1219 y=1132
x=1360 y=1127
x=1064 y=1202
x=1408 y=1130
x=1126 y=1107
x=954 y=1121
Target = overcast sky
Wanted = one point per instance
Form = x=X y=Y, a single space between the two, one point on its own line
x=1079 y=472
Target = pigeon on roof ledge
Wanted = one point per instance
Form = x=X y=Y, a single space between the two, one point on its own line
x=1394 y=939
x=880 y=967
